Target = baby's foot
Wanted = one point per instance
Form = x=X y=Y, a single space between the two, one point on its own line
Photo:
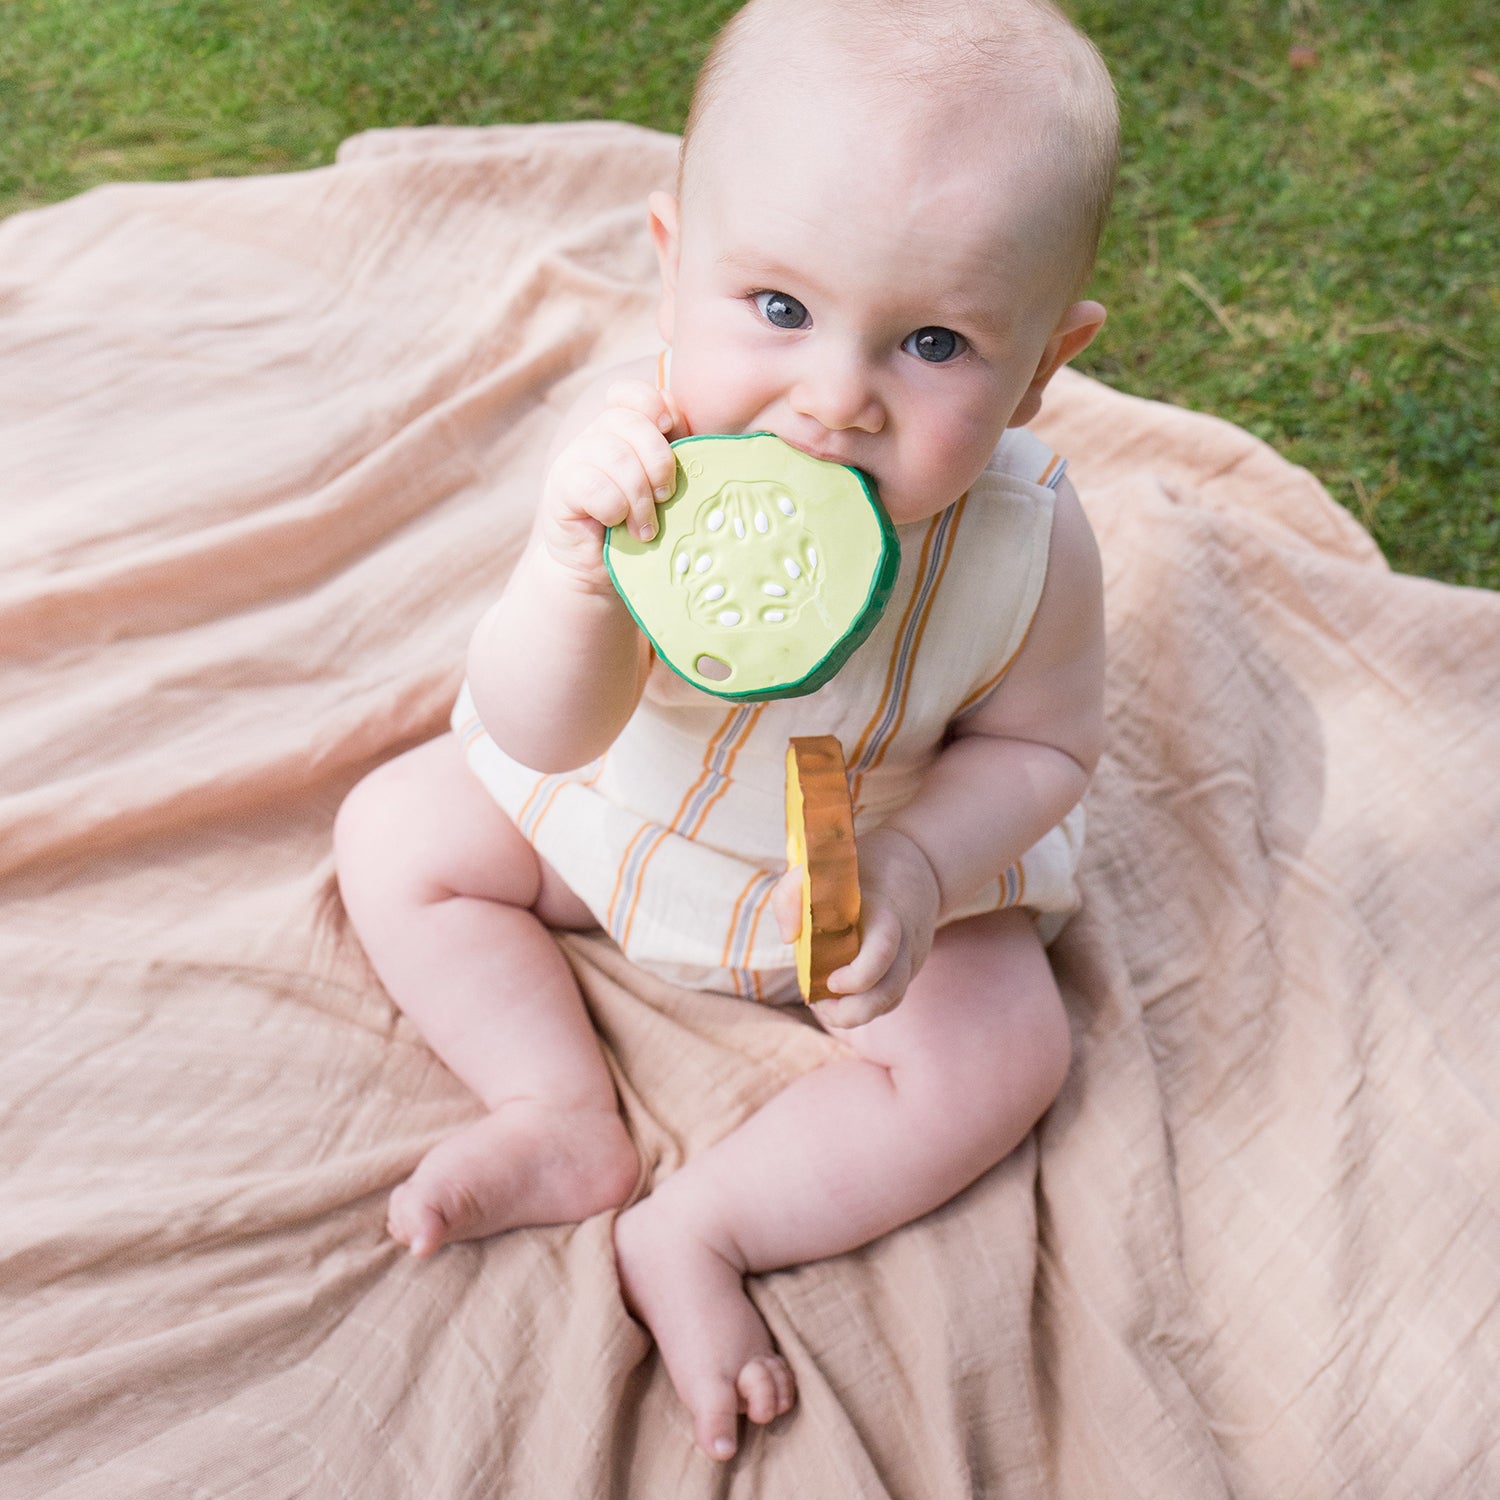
x=716 y=1349
x=527 y=1163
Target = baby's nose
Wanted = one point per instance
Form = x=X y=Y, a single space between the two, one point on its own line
x=839 y=394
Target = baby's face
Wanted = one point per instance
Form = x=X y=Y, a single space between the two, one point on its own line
x=876 y=300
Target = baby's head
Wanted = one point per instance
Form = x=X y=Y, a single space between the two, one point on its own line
x=981 y=84
x=886 y=212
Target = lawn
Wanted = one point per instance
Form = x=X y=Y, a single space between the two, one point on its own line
x=1306 y=237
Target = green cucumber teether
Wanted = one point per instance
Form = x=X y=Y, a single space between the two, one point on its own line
x=768 y=567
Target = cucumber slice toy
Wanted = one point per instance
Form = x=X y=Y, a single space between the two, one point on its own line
x=768 y=568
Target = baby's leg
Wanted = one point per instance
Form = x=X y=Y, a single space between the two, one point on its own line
x=450 y=903
x=940 y=1089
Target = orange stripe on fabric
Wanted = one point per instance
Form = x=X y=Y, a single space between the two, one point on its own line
x=986 y=688
x=635 y=895
x=734 y=918
x=1050 y=470
x=890 y=676
x=704 y=771
x=614 y=895
x=734 y=754
x=473 y=729
x=867 y=762
x=562 y=781
x=916 y=646
x=725 y=774
x=541 y=781
x=749 y=947
x=675 y=826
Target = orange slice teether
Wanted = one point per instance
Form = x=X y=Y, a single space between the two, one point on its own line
x=820 y=838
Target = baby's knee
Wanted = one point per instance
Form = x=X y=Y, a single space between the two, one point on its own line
x=1037 y=1060
x=988 y=1096
x=368 y=832
x=358 y=824
x=1053 y=1049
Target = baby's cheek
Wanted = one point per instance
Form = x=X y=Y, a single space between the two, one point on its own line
x=706 y=400
x=716 y=380
x=947 y=460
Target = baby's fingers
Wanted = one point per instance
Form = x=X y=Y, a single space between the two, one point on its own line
x=617 y=470
x=879 y=947
x=873 y=983
x=786 y=904
x=641 y=432
x=638 y=395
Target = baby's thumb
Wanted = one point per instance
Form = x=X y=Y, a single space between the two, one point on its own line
x=679 y=427
x=786 y=904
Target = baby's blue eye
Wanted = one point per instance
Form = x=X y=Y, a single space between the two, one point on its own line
x=936 y=345
x=780 y=310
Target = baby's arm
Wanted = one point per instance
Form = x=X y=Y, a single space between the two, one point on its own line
x=557 y=665
x=1013 y=769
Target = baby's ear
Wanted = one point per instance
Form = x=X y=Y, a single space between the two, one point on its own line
x=1073 y=333
x=665 y=235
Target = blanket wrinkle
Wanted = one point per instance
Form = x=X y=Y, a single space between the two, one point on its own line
x=268 y=448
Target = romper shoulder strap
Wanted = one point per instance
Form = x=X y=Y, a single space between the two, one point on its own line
x=1023 y=455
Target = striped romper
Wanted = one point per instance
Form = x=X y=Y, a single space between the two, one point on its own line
x=675 y=836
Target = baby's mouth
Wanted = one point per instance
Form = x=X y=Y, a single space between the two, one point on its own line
x=828 y=456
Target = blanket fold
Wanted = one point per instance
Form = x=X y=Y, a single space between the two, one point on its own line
x=268 y=448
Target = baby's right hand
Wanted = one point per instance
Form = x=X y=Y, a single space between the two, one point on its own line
x=618 y=468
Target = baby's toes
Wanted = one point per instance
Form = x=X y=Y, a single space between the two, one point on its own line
x=716 y=1430
x=412 y=1220
x=767 y=1387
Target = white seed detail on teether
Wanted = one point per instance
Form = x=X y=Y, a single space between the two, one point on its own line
x=757 y=535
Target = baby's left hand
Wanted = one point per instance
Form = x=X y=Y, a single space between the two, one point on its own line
x=899 y=900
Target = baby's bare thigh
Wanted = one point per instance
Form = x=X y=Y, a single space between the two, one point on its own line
x=986 y=997
x=437 y=820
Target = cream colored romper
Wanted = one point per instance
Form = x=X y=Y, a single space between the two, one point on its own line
x=675 y=836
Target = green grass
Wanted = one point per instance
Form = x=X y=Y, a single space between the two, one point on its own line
x=1310 y=252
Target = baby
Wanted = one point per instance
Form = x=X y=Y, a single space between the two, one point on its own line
x=886 y=212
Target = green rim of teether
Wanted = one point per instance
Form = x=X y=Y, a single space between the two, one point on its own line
x=768 y=569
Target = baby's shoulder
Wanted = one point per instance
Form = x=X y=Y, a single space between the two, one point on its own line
x=1021 y=454
x=586 y=394
x=1010 y=509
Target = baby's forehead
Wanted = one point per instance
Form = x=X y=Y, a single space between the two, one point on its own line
x=845 y=147
x=805 y=95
